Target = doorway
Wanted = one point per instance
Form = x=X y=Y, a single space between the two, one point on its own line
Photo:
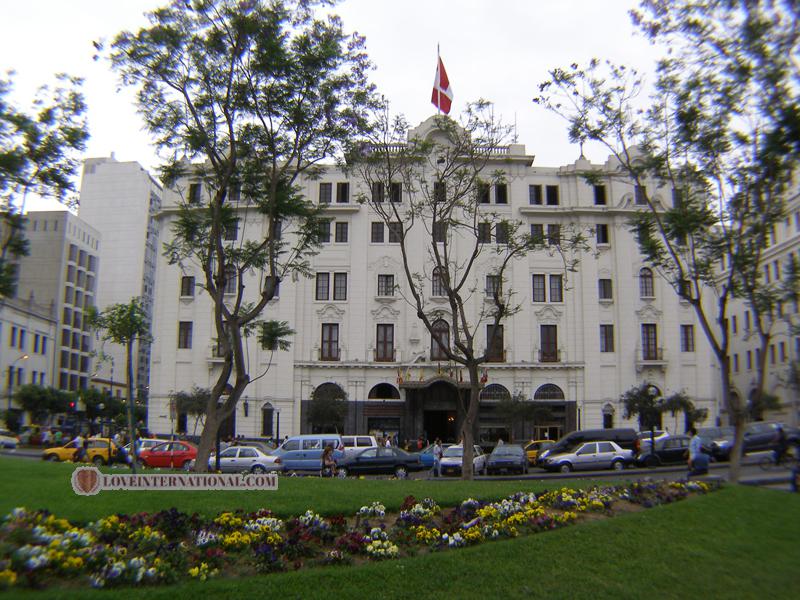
x=441 y=424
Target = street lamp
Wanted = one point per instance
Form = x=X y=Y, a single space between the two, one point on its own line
x=653 y=391
x=11 y=377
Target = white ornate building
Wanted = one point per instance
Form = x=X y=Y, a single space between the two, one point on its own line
x=580 y=340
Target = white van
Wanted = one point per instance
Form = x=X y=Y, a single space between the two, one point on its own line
x=353 y=444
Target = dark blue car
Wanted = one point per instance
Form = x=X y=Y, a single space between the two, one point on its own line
x=509 y=458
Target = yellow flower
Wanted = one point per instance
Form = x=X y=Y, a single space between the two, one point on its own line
x=7 y=578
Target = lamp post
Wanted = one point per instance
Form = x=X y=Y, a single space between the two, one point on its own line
x=219 y=426
x=11 y=377
x=277 y=426
x=653 y=391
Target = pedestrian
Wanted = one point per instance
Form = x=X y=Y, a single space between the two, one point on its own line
x=47 y=438
x=499 y=441
x=781 y=445
x=57 y=437
x=420 y=443
x=698 y=461
x=388 y=441
x=437 y=458
x=328 y=462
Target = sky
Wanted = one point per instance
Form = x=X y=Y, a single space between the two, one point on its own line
x=499 y=50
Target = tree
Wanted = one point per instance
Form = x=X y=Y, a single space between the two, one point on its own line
x=42 y=402
x=124 y=324
x=259 y=92
x=39 y=154
x=645 y=402
x=327 y=408
x=192 y=403
x=713 y=133
x=444 y=232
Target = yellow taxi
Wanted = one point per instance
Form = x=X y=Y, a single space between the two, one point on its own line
x=100 y=451
x=533 y=448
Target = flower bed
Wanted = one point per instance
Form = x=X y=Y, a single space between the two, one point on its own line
x=38 y=549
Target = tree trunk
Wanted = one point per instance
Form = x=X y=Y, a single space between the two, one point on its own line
x=737 y=419
x=131 y=424
x=208 y=440
x=468 y=424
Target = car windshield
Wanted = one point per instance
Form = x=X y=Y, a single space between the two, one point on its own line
x=507 y=451
x=454 y=451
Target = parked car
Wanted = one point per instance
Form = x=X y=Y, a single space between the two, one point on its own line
x=99 y=451
x=671 y=449
x=757 y=436
x=589 y=456
x=238 y=459
x=508 y=458
x=262 y=445
x=355 y=444
x=304 y=452
x=426 y=455
x=452 y=460
x=8 y=439
x=533 y=448
x=380 y=460
x=708 y=435
x=645 y=437
x=169 y=455
x=626 y=438
x=145 y=444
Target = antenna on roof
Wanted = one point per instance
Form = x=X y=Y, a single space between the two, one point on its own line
x=515 y=127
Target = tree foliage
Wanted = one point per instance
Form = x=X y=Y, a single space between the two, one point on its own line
x=714 y=130
x=327 y=408
x=192 y=403
x=42 y=402
x=645 y=402
x=445 y=232
x=39 y=154
x=256 y=94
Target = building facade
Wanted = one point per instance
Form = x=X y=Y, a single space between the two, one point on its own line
x=121 y=199
x=61 y=271
x=579 y=340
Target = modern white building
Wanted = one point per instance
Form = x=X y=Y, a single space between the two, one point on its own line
x=121 y=199
x=61 y=272
x=579 y=340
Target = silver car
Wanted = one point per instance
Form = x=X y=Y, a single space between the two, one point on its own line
x=238 y=459
x=453 y=457
x=590 y=456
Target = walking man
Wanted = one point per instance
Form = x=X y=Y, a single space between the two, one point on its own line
x=437 y=458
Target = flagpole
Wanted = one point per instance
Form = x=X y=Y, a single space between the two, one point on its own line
x=438 y=81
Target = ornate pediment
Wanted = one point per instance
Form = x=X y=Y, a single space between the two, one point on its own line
x=331 y=311
x=648 y=312
x=385 y=264
x=548 y=314
x=385 y=313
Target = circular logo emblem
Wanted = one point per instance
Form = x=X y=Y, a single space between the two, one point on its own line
x=86 y=481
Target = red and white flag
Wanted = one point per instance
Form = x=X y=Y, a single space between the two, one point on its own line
x=442 y=96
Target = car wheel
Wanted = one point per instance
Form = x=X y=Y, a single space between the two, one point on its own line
x=341 y=472
x=565 y=468
x=401 y=472
x=52 y=457
x=258 y=469
x=618 y=465
x=652 y=461
x=98 y=460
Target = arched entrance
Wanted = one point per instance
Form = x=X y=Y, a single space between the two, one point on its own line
x=432 y=408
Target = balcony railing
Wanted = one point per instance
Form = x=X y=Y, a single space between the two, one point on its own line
x=329 y=353
x=384 y=355
x=652 y=354
x=496 y=356
x=550 y=356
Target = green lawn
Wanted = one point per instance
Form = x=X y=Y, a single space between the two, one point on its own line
x=740 y=542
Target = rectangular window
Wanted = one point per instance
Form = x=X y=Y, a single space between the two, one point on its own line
x=397 y=192
x=324 y=232
x=600 y=195
x=44 y=345
x=187 y=286
x=649 y=342
x=439 y=191
x=538 y=288
x=747 y=320
x=556 y=289
x=734 y=324
x=494 y=286
x=602 y=234
x=537 y=233
x=552 y=195
x=766 y=273
x=777 y=268
x=484 y=233
x=437 y=283
x=758 y=356
x=22 y=339
x=605 y=289
x=323 y=285
x=325 y=193
x=554 y=235
x=483 y=193
x=735 y=363
x=495 y=351
x=677 y=197
x=376 y=233
x=782 y=351
x=687 y=338
x=772 y=354
x=340 y=286
x=13 y=341
x=640 y=194
x=342 y=192
x=549 y=339
x=73 y=252
x=501 y=232
x=384 y=343
x=606 y=338
x=749 y=357
x=385 y=285
x=535 y=194
x=501 y=193
x=234 y=192
x=329 y=349
x=232 y=230
x=378 y=191
x=185 y=334
x=341 y=232
x=395 y=232
x=230 y=280
x=195 y=190
x=439 y=232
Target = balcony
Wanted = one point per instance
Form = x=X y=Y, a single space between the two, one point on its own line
x=550 y=355
x=216 y=355
x=650 y=357
x=495 y=356
x=384 y=355
x=330 y=353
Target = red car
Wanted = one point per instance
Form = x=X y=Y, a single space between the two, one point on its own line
x=169 y=454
